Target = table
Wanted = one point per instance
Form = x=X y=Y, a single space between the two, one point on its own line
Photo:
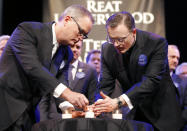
x=91 y=124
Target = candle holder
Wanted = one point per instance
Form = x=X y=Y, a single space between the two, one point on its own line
x=89 y=112
x=117 y=114
x=67 y=113
x=67 y=109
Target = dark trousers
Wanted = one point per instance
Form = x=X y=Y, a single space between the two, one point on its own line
x=24 y=123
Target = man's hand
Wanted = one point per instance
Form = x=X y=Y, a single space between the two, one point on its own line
x=106 y=105
x=77 y=99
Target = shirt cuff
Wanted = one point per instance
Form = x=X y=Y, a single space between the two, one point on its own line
x=127 y=100
x=59 y=90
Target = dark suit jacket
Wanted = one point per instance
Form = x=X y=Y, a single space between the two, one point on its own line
x=181 y=84
x=24 y=69
x=48 y=106
x=146 y=80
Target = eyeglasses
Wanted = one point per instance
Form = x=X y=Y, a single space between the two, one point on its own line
x=81 y=31
x=117 y=40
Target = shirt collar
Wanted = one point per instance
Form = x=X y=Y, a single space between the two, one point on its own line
x=171 y=73
x=75 y=64
x=54 y=35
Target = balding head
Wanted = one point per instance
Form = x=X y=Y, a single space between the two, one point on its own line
x=77 y=11
x=181 y=70
x=73 y=25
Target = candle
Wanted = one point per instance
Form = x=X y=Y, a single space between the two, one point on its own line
x=89 y=113
x=66 y=116
x=117 y=116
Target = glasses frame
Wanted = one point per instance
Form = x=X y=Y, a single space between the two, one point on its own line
x=117 y=40
x=81 y=31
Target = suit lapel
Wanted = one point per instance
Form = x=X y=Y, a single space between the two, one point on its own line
x=45 y=51
x=134 y=58
x=133 y=62
x=57 y=60
x=118 y=64
x=76 y=79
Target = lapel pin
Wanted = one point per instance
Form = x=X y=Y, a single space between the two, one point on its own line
x=80 y=74
x=142 y=61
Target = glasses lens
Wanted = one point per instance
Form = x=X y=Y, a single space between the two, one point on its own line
x=118 y=40
x=85 y=36
x=81 y=31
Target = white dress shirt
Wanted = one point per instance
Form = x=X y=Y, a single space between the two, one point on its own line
x=61 y=87
x=127 y=100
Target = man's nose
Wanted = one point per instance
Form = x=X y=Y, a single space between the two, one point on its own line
x=96 y=62
x=73 y=49
x=175 y=60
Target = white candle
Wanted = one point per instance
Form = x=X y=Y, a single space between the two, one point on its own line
x=89 y=114
x=66 y=116
x=117 y=116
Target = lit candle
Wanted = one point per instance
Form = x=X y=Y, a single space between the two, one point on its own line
x=66 y=116
x=66 y=109
x=117 y=114
x=89 y=113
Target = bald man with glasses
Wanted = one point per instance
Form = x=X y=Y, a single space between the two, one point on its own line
x=34 y=58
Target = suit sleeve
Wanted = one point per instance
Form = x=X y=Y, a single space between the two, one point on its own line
x=43 y=107
x=92 y=86
x=184 y=110
x=107 y=79
x=48 y=108
x=24 y=46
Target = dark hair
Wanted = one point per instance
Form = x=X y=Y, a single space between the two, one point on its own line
x=90 y=53
x=117 y=18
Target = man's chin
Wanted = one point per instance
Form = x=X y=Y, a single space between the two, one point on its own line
x=67 y=43
x=75 y=58
x=71 y=43
x=121 y=51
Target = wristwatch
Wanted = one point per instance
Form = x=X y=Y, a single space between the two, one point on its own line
x=119 y=102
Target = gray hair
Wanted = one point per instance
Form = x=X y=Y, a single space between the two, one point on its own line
x=178 y=70
x=77 y=11
x=173 y=46
x=4 y=37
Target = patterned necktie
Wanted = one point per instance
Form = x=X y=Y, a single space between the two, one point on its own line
x=70 y=75
x=62 y=74
x=63 y=59
x=56 y=61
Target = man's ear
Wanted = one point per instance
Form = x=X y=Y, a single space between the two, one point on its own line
x=134 y=31
x=67 y=18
